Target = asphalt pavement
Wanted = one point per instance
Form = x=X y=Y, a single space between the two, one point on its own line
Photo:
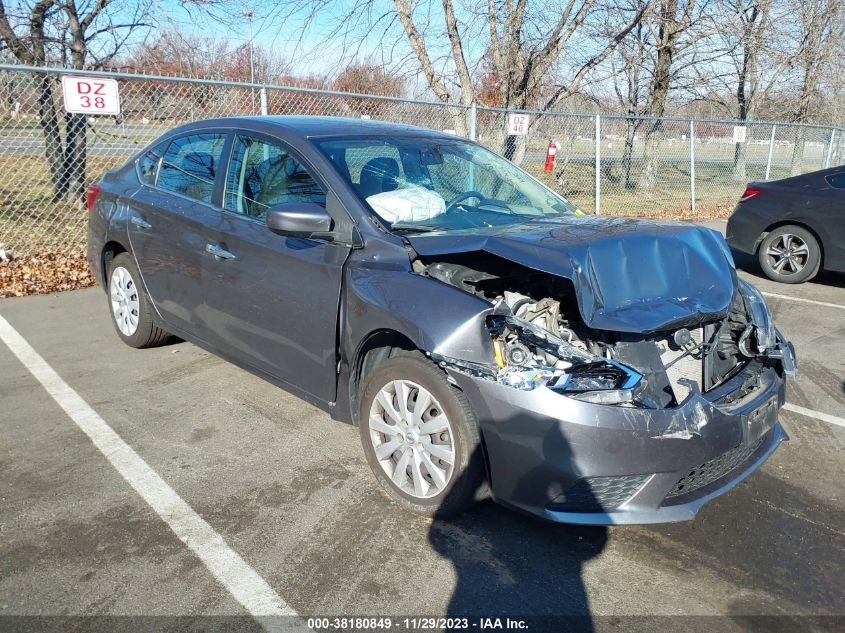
x=290 y=494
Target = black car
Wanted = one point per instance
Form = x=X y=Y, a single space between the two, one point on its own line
x=795 y=226
x=478 y=331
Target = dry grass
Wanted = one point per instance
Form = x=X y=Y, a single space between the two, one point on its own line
x=41 y=273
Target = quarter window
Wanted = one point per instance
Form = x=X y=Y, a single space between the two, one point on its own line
x=837 y=181
x=148 y=164
x=190 y=165
x=262 y=175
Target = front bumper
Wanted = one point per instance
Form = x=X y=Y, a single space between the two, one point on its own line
x=576 y=462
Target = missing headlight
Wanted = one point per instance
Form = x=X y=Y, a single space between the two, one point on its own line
x=544 y=359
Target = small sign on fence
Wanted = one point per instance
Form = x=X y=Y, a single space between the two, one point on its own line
x=739 y=133
x=90 y=95
x=517 y=124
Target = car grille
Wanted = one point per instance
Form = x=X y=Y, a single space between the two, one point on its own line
x=715 y=469
x=598 y=494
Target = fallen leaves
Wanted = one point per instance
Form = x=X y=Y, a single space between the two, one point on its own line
x=44 y=272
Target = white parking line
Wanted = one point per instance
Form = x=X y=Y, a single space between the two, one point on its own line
x=800 y=300
x=233 y=572
x=824 y=417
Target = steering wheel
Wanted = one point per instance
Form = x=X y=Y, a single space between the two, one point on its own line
x=464 y=196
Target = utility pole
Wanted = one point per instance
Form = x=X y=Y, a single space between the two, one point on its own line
x=248 y=15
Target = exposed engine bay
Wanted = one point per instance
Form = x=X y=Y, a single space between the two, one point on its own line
x=540 y=338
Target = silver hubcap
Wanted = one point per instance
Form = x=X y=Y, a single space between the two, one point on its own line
x=788 y=254
x=124 y=300
x=412 y=438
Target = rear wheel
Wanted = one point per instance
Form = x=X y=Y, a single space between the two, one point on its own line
x=130 y=309
x=790 y=255
x=420 y=437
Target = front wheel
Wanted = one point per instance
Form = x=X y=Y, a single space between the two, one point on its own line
x=790 y=255
x=420 y=437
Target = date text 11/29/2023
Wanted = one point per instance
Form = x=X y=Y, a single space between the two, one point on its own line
x=417 y=623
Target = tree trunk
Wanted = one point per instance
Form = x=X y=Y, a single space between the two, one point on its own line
x=75 y=157
x=797 y=165
x=628 y=152
x=651 y=156
x=49 y=121
x=739 y=171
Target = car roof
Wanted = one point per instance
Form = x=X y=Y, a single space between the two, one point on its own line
x=323 y=126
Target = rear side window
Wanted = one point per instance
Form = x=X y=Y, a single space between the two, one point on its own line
x=190 y=165
x=837 y=181
x=148 y=164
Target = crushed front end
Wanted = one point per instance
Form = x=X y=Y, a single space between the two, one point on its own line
x=585 y=425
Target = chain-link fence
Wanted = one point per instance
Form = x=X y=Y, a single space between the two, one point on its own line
x=607 y=164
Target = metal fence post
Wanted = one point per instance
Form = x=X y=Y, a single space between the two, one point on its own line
x=771 y=149
x=473 y=121
x=692 y=165
x=263 y=101
x=829 y=149
x=598 y=164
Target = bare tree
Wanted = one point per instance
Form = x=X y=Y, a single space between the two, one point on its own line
x=632 y=66
x=680 y=29
x=818 y=21
x=78 y=35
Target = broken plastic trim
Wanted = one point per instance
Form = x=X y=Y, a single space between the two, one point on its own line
x=760 y=317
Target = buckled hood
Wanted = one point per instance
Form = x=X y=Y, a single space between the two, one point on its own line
x=629 y=275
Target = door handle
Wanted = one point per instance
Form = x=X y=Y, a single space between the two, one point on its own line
x=219 y=252
x=140 y=222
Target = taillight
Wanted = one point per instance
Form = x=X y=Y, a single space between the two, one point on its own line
x=93 y=191
x=748 y=194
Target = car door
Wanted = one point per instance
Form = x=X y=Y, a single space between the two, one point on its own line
x=273 y=299
x=168 y=222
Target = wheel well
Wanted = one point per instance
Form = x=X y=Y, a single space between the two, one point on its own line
x=777 y=225
x=110 y=251
x=377 y=347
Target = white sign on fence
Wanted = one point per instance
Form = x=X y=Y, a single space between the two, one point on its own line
x=517 y=124
x=739 y=133
x=90 y=95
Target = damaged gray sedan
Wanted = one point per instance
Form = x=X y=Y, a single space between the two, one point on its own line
x=482 y=334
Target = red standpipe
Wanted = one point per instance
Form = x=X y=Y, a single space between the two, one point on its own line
x=550 y=156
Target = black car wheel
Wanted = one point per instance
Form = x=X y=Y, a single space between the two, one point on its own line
x=130 y=309
x=790 y=255
x=420 y=437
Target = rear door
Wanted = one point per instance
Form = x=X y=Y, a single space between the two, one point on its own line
x=273 y=300
x=168 y=223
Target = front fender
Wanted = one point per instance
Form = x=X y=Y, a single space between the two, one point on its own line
x=436 y=317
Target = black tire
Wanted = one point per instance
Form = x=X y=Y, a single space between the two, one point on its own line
x=783 y=269
x=147 y=333
x=467 y=481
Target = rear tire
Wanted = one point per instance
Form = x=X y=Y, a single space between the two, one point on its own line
x=435 y=467
x=129 y=307
x=790 y=254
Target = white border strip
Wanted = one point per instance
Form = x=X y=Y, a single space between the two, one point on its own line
x=241 y=580
x=800 y=300
x=824 y=417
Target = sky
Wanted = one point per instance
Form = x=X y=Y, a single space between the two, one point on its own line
x=296 y=39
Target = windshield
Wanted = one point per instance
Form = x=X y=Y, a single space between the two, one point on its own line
x=419 y=184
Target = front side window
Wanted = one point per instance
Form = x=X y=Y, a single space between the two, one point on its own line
x=262 y=175
x=441 y=184
x=190 y=165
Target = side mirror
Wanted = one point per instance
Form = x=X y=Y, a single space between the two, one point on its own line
x=300 y=219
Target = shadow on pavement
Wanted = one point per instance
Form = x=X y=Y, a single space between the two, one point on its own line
x=512 y=565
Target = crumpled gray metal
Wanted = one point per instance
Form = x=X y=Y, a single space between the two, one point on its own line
x=629 y=275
